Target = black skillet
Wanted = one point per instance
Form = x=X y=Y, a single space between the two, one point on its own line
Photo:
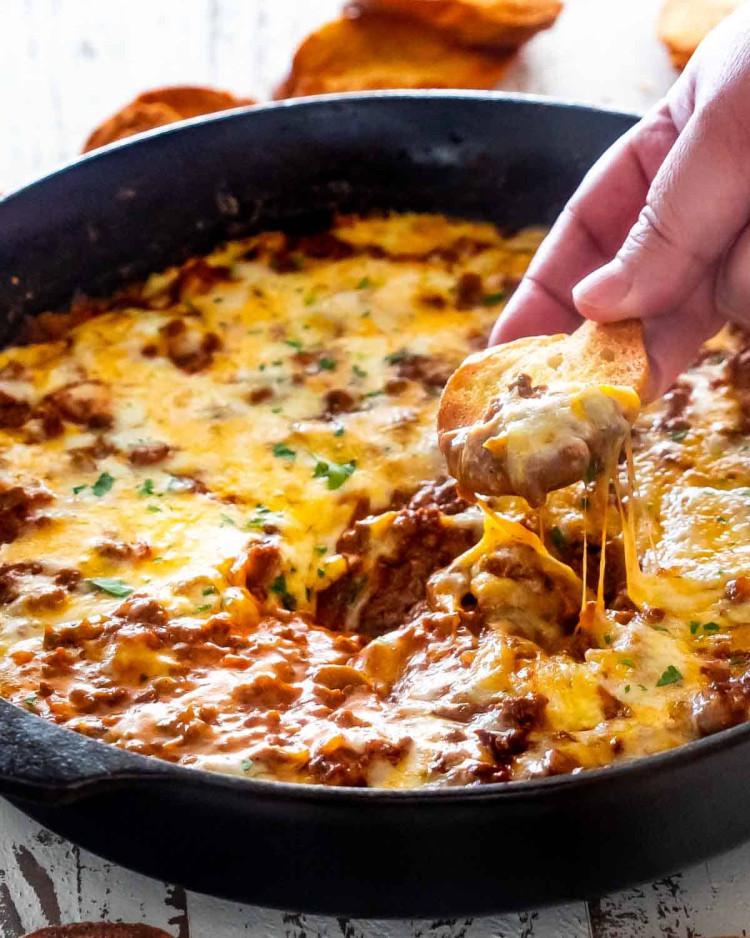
x=141 y=205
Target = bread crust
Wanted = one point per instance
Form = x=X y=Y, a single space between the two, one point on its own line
x=159 y=107
x=683 y=24
x=379 y=51
x=611 y=354
x=498 y=24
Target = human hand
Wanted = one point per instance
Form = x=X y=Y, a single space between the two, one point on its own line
x=660 y=227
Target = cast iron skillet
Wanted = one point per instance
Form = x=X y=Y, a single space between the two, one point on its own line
x=141 y=205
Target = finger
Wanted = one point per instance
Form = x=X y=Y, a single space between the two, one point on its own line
x=732 y=293
x=590 y=229
x=672 y=341
x=695 y=208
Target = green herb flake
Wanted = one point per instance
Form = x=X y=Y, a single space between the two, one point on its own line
x=79 y=488
x=146 y=488
x=103 y=484
x=110 y=584
x=246 y=765
x=153 y=508
x=710 y=626
x=670 y=676
x=627 y=662
x=627 y=688
x=225 y=519
x=218 y=299
x=694 y=626
x=364 y=283
x=334 y=473
x=678 y=435
x=293 y=343
x=339 y=431
x=607 y=639
x=359 y=372
x=278 y=585
x=395 y=357
x=209 y=591
x=282 y=451
x=203 y=608
x=31 y=701
x=326 y=364
x=321 y=550
x=321 y=574
x=492 y=299
x=559 y=539
x=366 y=315
x=311 y=298
x=721 y=519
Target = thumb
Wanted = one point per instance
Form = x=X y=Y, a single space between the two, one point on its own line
x=696 y=205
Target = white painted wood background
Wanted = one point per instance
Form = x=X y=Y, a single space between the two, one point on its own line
x=64 y=66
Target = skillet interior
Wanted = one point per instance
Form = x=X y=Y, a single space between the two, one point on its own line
x=117 y=215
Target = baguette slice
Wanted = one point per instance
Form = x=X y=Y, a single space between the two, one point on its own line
x=683 y=24
x=379 y=52
x=489 y=24
x=535 y=414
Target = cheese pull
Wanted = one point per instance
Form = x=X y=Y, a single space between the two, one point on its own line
x=542 y=413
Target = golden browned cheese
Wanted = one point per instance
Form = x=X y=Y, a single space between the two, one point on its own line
x=228 y=539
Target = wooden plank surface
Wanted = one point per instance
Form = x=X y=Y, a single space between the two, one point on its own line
x=66 y=64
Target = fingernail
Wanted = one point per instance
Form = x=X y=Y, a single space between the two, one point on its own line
x=603 y=289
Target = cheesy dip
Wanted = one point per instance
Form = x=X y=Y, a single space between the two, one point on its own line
x=229 y=539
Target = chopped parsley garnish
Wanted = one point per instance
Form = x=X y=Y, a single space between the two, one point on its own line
x=209 y=590
x=359 y=372
x=153 y=508
x=670 y=676
x=294 y=343
x=321 y=573
x=608 y=639
x=310 y=299
x=492 y=299
x=246 y=765
x=321 y=550
x=111 y=584
x=364 y=283
x=366 y=315
x=627 y=688
x=103 y=484
x=203 y=608
x=627 y=662
x=395 y=357
x=722 y=520
x=694 y=626
x=326 y=364
x=559 y=539
x=282 y=451
x=146 y=488
x=710 y=626
x=79 y=488
x=279 y=587
x=339 y=431
x=334 y=473
x=678 y=435
x=30 y=701
x=225 y=519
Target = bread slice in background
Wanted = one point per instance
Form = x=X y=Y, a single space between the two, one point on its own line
x=380 y=51
x=683 y=24
x=503 y=24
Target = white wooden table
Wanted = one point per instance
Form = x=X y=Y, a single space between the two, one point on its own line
x=65 y=65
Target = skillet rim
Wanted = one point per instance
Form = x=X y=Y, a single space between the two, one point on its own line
x=153 y=770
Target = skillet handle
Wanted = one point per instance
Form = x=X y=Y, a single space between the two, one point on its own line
x=44 y=763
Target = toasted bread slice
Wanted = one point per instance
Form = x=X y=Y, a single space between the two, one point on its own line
x=683 y=24
x=495 y=24
x=160 y=107
x=611 y=354
x=379 y=51
x=543 y=412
